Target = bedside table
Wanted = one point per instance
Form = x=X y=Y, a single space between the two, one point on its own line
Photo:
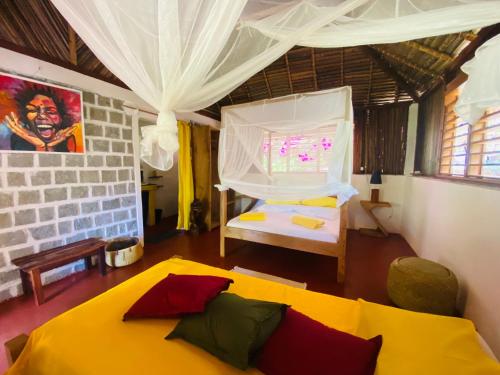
x=369 y=206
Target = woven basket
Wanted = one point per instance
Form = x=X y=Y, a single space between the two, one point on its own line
x=123 y=251
x=422 y=285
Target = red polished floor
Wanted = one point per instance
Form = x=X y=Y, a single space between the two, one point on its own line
x=366 y=272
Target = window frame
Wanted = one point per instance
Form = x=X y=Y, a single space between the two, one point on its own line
x=491 y=181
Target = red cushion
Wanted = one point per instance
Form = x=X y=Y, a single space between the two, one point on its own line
x=177 y=295
x=301 y=345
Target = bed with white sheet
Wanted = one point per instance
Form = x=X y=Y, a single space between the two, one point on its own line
x=278 y=221
x=278 y=230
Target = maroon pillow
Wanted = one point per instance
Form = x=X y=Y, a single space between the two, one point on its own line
x=301 y=345
x=176 y=295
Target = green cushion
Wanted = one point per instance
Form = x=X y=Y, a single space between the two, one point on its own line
x=232 y=328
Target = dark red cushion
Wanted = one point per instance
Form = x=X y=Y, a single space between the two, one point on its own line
x=301 y=345
x=177 y=295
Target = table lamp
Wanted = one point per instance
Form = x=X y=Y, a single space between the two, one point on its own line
x=376 y=179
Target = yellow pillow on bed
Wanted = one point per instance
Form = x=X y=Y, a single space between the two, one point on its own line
x=418 y=343
x=253 y=216
x=272 y=201
x=308 y=222
x=321 y=202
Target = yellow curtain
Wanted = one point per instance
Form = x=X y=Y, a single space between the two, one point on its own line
x=186 y=188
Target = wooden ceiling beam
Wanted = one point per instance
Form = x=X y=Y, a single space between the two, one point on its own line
x=60 y=62
x=313 y=63
x=269 y=91
x=390 y=71
x=468 y=52
x=288 y=73
x=428 y=50
x=73 y=59
x=401 y=60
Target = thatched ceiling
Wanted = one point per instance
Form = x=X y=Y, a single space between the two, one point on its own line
x=378 y=74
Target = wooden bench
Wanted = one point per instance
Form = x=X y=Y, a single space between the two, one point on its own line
x=31 y=266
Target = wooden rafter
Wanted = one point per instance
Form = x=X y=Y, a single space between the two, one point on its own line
x=401 y=60
x=390 y=71
x=342 y=67
x=313 y=63
x=269 y=91
x=430 y=51
x=72 y=46
x=288 y=73
x=468 y=52
x=59 y=61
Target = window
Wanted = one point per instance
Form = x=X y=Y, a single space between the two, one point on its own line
x=470 y=151
x=307 y=152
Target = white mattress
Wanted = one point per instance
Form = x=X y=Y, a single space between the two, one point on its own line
x=279 y=221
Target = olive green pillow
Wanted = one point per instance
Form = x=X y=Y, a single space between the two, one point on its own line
x=232 y=328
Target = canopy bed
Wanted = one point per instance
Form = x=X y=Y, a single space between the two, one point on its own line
x=289 y=148
x=93 y=339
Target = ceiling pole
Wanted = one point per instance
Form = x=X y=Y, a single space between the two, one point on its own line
x=288 y=73
x=390 y=71
x=430 y=51
x=72 y=46
x=269 y=91
x=370 y=83
x=397 y=91
x=403 y=61
x=313 y=62
x=341 y=67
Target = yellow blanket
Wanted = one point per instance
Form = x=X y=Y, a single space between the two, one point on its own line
x=253 y=216
x=308 y=222
x=91 y=339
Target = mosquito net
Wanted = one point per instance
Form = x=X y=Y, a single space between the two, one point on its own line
x=294 y=147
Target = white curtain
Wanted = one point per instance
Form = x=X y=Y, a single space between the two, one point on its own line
x=482 y=88
x=294 y=147
x=184 y=55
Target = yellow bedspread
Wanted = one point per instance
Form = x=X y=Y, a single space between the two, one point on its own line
x=92 y=339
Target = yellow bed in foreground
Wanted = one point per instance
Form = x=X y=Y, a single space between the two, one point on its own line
x=92 y=339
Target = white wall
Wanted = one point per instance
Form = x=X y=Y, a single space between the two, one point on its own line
x=458 y=225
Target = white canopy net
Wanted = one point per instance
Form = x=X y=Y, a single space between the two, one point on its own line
x=184 y=55
x=293 y=147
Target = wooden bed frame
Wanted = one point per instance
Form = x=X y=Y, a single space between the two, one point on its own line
x=336 y=249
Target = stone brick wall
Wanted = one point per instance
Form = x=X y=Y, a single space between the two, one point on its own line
x=47 y=200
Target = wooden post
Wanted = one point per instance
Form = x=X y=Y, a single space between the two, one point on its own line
x=223 y=221
x=344 y=212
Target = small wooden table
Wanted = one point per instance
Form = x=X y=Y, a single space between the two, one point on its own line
x=31 y=266
x=380 y=231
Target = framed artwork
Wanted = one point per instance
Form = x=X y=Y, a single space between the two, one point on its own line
x=38 y=116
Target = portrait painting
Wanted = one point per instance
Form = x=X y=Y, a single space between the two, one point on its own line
x=37 y=116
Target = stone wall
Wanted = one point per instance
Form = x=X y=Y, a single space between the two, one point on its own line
x=48 y=200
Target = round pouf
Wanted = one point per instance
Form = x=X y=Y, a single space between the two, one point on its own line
x=422 y=285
